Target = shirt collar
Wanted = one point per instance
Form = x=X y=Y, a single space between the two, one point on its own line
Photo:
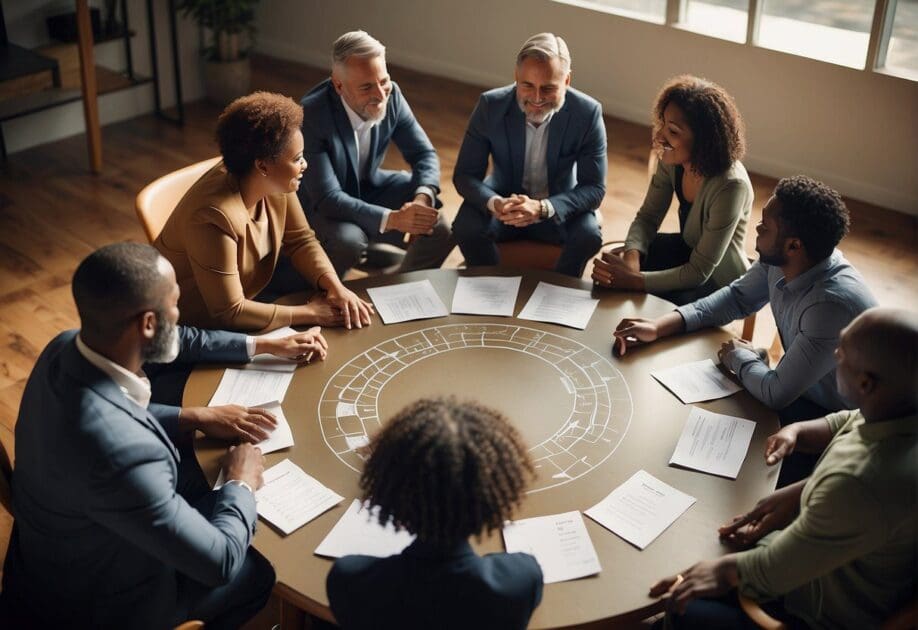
x=426 y=550
x=357 y=123
x=134 y=386
x=544 y=124
x=884 y=429
x=806 y=279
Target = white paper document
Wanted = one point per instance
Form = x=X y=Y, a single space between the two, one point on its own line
x=559 y=305
x=640 y=509
x=290 y=498
x=269 y=361
x=486 y=295
x=407 y=301
x=560 y=543
x=713 y=443
x=697 y=381
x=251 y=388
x=358 y=532
x=281 y=436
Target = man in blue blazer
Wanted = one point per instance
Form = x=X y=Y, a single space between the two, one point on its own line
x=547 y=144
x=348 y=122
x=112 y=528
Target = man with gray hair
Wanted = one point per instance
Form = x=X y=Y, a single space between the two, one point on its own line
x=547 y=144
x=350 y=201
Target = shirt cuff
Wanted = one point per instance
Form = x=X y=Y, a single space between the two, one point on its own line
x=736 y=359
x=550 y=208
x=385 y=221
x=690 y=315
x=430 y=192
x=491 y=204
x=250 y=346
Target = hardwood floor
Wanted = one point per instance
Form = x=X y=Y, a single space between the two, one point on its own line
x=53 y=212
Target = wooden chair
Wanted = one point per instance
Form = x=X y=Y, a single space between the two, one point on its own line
x=158 y=199
x=526 y=254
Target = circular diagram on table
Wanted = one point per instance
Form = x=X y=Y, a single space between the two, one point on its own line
x=571 y=405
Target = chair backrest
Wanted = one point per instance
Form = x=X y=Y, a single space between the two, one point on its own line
x=6 y=480
x=156 y=202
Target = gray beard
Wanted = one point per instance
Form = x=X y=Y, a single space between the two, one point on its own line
x=164 y=347
x=544 y=116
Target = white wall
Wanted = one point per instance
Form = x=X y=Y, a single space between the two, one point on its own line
x=25 y=24
x=855 y=130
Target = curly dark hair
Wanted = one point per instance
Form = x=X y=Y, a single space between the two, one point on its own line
x=446 y=470
x=256 y=127
x=813 y=212
x=720 y=135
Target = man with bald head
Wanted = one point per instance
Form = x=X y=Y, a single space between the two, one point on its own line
x=837 y=549
x=109 y=528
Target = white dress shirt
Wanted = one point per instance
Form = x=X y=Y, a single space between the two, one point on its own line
x=363 y=130
x=135 y=386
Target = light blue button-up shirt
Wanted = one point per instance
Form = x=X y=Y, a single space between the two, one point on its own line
x=810 y=312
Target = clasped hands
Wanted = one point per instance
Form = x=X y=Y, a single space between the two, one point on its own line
x=339 y=306
x=517 y=210
x=416 y=218
x=619 y=269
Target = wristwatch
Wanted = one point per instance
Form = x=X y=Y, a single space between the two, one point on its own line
x=240 y=483
x=543 y=209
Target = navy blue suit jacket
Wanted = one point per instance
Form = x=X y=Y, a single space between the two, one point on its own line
x=576 y=155
x=101 y=535
x=331 y=184
x=424 y=588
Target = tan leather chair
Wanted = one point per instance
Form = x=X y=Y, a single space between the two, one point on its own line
x=525 y=254
x=156 y=202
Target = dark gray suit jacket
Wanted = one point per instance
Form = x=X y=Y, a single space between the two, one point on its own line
x=331 y=184
x=101 y=536
x=424 y=588
x=576 y=155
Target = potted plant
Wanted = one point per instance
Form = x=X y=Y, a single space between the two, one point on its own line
x=231 y=28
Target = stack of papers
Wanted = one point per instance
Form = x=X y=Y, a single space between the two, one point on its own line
x=713 y=443
x=560 y=544
x=358 y=532
x=559 y=305
x=697 y=381
x=290 y=498
x=640 y=509
x=407 y=301
x=486 y=295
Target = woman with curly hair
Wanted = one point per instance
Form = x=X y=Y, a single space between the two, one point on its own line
x=699 y=138
x=444 y=471
x=239 y=237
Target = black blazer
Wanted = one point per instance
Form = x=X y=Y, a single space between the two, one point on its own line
x=424 y=587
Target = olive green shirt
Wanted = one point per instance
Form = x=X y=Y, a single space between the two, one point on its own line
x=715 y=229
x=849 y=559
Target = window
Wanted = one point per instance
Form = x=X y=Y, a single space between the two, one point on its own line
x=902 y=54
x=647 y=10
x=837 y=31
x=725 y=19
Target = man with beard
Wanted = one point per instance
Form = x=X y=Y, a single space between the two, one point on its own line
x=547 y=145
x=813 y=292
x=115 y=526
x=350 y=201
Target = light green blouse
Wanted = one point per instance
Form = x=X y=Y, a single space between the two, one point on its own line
x=715 y=229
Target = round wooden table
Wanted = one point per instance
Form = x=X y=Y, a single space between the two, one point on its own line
x=591 y=419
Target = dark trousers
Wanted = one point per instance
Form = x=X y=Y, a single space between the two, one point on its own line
x=667 y=251
x=797 y=466
x=346 y=242
x=477 y=233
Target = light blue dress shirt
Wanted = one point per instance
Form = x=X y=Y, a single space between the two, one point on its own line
x=810 y=312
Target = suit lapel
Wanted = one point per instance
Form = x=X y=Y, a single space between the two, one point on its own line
x=345 y=133
x=557 y=127
x=104 y=386
x=515 y=125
